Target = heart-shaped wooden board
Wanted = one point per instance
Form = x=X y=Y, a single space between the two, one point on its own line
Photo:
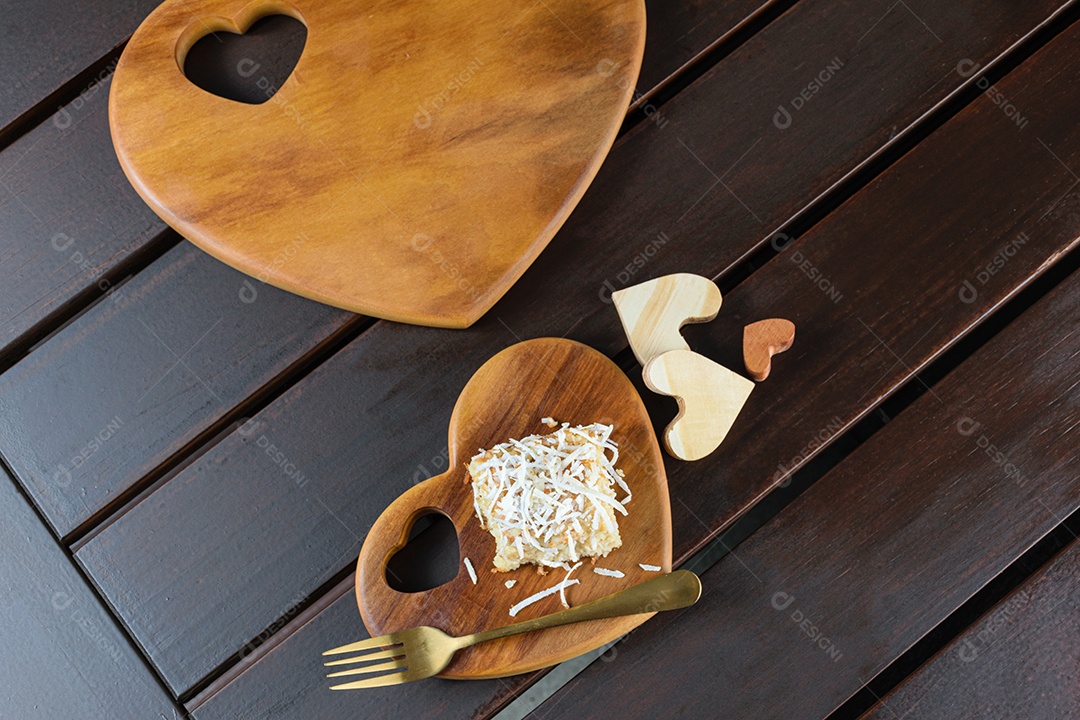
x=507 y=398
x=417 y=160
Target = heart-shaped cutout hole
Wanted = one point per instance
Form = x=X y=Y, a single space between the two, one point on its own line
x=430 y=557
x=247 y=68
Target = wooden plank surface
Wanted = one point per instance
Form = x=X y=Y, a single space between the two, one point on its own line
x=782 y=283
x=69 y=220
x=49 y=43
x=367 y=423
x=62 y=240
x=183 y=361
x=877 y=552
x=63 y=655
x=1021 y=660
x=681 y=33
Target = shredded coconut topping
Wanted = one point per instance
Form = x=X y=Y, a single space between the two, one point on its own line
x=472 y=573
x=609 y=573
x=562 y=593
x=510 y=583
x=650 y=568
x=561 y=587
x=550 y=499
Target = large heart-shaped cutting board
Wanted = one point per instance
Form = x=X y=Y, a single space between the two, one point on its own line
x=507 y=398
x=417 y=160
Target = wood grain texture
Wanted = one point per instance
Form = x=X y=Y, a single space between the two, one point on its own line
x=412 y=177
x=1021 y=660
x=382 y=402
x=877 y=552
x=49 y=44
x=653 y=312
x=506 y=398
x=172 y=367
x=710 y=397
x=63 y=655
x=762 y=340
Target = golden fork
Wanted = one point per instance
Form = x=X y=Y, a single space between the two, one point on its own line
x=421 y=652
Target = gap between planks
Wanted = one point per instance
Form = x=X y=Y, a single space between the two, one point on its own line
x=1037 y=559
x=45 y=108
x=221 y=428
x=704 y=60
x=96 y=593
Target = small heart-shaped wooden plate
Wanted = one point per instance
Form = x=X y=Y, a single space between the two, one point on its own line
x=415 y=163
x=507 y=398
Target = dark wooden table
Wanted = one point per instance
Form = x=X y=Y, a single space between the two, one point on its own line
x=191 y=459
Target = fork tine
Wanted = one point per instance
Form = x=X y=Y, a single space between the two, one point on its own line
x=397 y=664
x=392 y=679
x=381 y=655
x=379 y=642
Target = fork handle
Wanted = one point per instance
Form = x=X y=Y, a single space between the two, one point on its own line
x=679 y=589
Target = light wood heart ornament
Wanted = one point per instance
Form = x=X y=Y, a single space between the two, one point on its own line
x=709 y=395
x=653 y=312
x=507 y=398
x=414 y=164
